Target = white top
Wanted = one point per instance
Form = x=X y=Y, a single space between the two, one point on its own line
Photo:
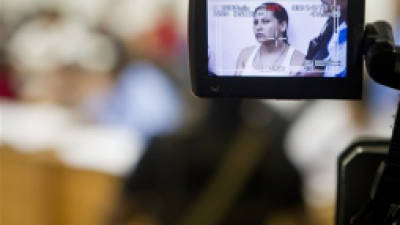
x=31 y=128
x=284 y=69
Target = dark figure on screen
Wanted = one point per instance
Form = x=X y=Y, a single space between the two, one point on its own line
x=331 y=44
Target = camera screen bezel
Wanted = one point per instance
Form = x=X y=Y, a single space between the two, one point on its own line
x=204 y=85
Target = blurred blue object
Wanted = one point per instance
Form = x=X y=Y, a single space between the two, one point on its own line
x=145 y=101
x=381 y=98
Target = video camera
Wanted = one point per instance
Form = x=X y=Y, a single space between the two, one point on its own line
x=294 y=49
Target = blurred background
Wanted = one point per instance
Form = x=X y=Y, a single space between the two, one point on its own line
x=98 y=125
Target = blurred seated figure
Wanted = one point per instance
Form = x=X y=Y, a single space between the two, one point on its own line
x=229 y=168
x=62 y=61
x=61 y=64
x=58 y=167
x=78 y=100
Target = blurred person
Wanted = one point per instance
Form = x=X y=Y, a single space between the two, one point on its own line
x=62 y=64
x=275 y=56
x=76 y=100
x=229 y=168
x=44 y=134
x=134 y=95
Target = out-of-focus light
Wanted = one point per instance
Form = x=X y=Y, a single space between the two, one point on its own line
x=108 y=149
x=131 y=18
x=378 y=10
x=31 y=128
x=42 y=46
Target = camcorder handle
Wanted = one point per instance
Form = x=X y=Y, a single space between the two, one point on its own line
x=383 y=64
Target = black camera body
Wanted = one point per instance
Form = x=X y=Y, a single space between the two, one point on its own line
x=227 y=42
x=369 y=172
x=357 y=167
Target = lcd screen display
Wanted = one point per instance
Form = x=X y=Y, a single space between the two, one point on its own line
x=283 y=38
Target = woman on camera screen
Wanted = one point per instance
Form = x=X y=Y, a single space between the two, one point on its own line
x=275 y=56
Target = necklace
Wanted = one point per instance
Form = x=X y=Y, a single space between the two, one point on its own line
x=273 y=66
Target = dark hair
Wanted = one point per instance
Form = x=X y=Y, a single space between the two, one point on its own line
x=279 y=13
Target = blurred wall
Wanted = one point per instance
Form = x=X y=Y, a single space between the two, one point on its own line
x=381 y=10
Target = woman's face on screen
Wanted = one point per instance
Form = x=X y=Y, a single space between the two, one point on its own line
x=266 y=27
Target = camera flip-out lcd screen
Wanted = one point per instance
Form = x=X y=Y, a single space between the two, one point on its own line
x=286 y=39
x=277 y=49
